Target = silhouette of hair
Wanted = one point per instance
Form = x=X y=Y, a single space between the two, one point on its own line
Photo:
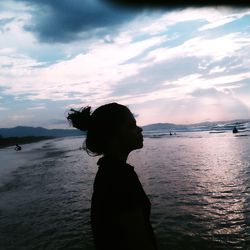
x=79 y=118
x=101 y=126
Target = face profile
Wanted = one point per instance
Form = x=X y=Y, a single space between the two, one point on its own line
x=131 y=134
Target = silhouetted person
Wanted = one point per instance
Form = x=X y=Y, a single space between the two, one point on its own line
x=120 y=209
x=18 y=148
x=235 y=130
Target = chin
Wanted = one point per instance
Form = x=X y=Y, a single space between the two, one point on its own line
x=140 y=145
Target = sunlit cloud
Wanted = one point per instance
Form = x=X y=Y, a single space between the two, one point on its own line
x=217 y=69
x=84 y=74
x=214 y=49
x=210 y=18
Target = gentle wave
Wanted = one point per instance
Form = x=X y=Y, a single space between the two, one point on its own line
x=198 y=185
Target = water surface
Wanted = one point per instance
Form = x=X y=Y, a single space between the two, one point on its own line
x=198 y=184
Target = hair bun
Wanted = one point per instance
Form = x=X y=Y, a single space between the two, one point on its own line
x=80 y=119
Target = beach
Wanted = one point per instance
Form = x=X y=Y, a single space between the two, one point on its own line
x=198 y=185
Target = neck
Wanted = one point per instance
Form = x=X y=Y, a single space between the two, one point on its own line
x=117 y=156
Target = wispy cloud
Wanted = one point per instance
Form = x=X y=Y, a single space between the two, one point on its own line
x=84 y=74
x=218 y=19
x=36 y=107
x=213 y=48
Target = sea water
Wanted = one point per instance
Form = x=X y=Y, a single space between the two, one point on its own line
x=198 y=184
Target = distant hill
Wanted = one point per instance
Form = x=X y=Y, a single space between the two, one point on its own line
x=203 y=126
x=22 y=131
x=162 y=126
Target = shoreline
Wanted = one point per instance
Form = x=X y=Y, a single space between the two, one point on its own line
x=12 y=141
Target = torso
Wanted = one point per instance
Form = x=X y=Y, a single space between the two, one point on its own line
x=116 y=189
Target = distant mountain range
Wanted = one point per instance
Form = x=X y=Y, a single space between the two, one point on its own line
x=21 y=131
x=203 y=126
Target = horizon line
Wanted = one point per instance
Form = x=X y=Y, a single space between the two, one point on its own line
x=178 y=124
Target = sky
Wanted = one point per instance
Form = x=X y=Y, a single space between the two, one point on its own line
x=177 y=65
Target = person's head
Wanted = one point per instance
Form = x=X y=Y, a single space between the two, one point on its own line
x=111 y=125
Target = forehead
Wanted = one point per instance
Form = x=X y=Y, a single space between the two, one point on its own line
x=130 y=117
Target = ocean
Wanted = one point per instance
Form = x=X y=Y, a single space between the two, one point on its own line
x=198 y=184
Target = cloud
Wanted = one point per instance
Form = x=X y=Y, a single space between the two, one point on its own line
x=65 y=21
x=160 y=64
x=89 y=76
x=208 y=92
x=196 y=62
x=129 y=71
x=220 y=20
x=204 y=18
x=20 y=118
x=152 y=77
x=217 y=69
x=222 y=103
x=4 y=22
x=213 y=48
x=36 y=107
x=204 y=105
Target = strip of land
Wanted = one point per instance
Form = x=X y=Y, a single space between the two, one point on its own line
x=12 y=141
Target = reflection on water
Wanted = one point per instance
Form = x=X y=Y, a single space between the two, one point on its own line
x=223 y=186
x=198 y=185
x=199 y=188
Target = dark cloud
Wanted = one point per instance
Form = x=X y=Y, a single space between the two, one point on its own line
x=4 y=22
x=67 y=20
x=63 y=20
x=175 y=3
